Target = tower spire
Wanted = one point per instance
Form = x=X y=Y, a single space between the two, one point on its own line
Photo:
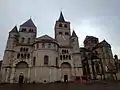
x=74 y=34
x=61 y=18
x=14 y=30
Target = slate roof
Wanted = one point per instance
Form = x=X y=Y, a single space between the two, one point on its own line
x=61 y=18
x=28 y=23
x=45 y=38
x=74 y=34
x=14 y=30
x=105 y=43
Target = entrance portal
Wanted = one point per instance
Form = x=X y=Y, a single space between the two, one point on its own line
x=65 y=78
x=21 y=78
x=66 y=72
x=21 y=73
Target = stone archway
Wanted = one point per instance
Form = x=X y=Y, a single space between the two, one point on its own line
x=66 y=71
x=21 y=67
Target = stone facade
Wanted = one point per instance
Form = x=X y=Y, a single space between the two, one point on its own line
x=41 y=59
x=97 y=58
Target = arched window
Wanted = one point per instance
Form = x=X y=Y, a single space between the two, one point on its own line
x=34 y=60
x=46 y=60
x=29 y=30
x=60 y=25
x=60 y=57
x=21 y=55
x=23 y=30
x=65 y=25
x=28 y=55
x=21 y=49
x=22 y=39
x=66 y=33
x=69 y=57
x=18 y=55
x=66 y=57
x=26 y=49
x=32 y=30
x=28 y=40
x=24 y=55
x=67 y=51
x=63 y=57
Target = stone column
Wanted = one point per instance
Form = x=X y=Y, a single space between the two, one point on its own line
x=12 y=75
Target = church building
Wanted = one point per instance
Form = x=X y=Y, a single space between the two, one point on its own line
x=42 y=59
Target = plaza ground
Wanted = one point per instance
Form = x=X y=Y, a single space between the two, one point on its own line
x=63 y=86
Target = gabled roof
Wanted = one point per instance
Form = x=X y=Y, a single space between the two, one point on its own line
x=45 y=38
x=105 y=43
x=61 y=18
x=74 y=34
x=28 y=23
x=14 y=30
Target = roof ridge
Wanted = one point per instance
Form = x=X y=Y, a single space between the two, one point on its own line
x=28 y=23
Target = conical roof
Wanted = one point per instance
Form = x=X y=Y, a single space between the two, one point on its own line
x=61 y=18
x=28 y=23
x=74 y=34
x=14 y=30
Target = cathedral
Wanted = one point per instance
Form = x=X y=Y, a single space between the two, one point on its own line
x=42 y=59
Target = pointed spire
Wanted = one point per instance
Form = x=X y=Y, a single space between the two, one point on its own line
x=61 y=18
x=28 y=23
x=74 y=34
x=14 y=30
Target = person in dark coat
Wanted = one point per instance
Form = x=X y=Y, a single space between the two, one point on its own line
x=21 y=78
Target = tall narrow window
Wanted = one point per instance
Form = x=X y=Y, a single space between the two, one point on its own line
x=26 y=49
x=66 y=51
x=60 y=57
x=69 y=57
x=28 y=55
x=34 y=60
x=29 y=30
x=43 y=45
x=21 y=55
x=28 y=40
x=24 y=55
x=46 y=60
x=22 y=40
x=18 y=55
x=56 y=61
x=63 y=57
x=21 y=49
x=66 y=57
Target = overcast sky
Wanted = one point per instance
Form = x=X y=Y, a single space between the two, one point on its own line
x=100 y=18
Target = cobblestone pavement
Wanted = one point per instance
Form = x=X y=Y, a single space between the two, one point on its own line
x=63 y=86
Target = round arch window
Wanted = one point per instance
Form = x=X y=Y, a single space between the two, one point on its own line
x=60 y=25
x=65 y=25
